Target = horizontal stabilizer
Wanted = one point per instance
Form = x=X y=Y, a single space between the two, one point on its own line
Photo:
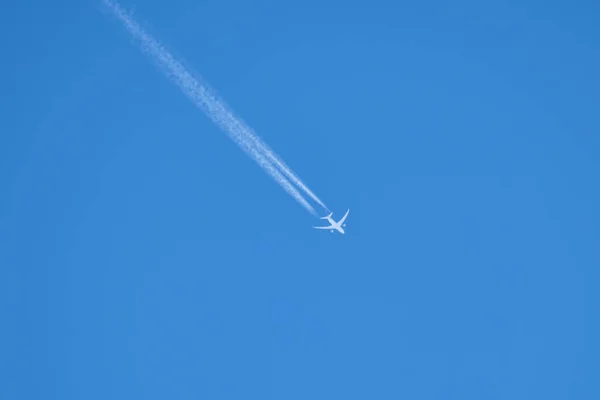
x=327 y=217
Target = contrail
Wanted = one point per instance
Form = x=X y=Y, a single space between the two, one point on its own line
x=275 y=159
x=216 y=109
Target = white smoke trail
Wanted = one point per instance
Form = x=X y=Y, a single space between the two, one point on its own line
x=205 y=99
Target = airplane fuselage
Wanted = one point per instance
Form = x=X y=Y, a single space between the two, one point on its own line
x=337 y=226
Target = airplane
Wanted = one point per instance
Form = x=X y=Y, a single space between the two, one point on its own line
x=334 y=225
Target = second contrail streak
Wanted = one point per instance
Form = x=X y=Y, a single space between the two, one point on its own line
x=205 y=98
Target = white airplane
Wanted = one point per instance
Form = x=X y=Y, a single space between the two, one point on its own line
x=334 y=225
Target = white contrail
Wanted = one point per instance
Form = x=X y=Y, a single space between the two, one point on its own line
x=204 y=98
x=275 y=159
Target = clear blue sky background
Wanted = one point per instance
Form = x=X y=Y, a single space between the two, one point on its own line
x=144 y=256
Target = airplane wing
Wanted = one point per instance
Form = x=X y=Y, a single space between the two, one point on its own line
x=323 y=227
x=344 y=217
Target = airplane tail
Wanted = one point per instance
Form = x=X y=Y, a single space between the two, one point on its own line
x=327 y=217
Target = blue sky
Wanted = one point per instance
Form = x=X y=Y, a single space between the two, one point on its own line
x=143 y=255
